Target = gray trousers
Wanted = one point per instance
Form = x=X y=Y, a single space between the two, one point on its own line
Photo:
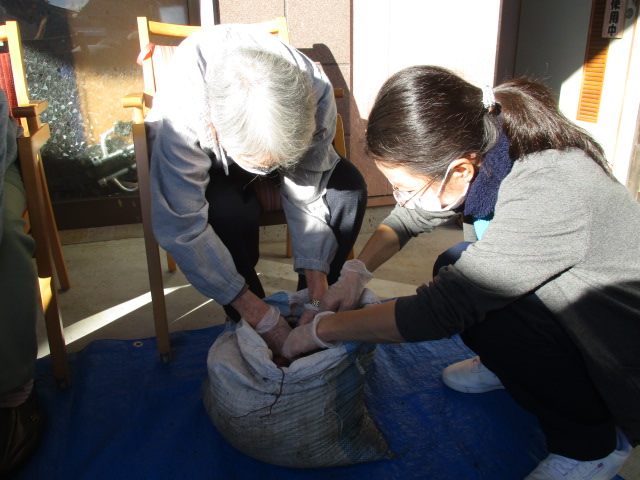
x=18 y=289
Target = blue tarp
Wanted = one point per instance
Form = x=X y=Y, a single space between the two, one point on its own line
x=127 y=416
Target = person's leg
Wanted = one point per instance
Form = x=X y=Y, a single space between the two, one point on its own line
x=20 y=418
x=18 y=295
x=234 y=214
x=542 y=369
x=347 y=200
x=449 y=256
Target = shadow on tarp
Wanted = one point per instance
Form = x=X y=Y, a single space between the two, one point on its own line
x=127 y=416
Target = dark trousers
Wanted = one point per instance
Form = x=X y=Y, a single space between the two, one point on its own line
x=234 y=214
x=19 y=292
x=542 y=369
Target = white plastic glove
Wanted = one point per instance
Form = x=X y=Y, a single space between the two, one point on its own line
x=298 y=302
x=305 y=339
x=345 y=293
x=300 y=309
x=274 y=330
x=308 y=315
x=368 y=299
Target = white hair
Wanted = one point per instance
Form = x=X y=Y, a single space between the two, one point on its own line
x=262 y=107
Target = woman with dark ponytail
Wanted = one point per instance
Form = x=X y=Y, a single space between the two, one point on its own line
x=546 y=290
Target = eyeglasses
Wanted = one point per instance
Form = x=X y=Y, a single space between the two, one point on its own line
x=403 y=197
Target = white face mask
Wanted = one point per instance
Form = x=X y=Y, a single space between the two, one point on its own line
x=431 y=201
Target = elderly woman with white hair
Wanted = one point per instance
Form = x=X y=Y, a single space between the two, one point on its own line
x=240 y=103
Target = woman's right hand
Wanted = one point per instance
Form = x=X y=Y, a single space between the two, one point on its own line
x=304 y=339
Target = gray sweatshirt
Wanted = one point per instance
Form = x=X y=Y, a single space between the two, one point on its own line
x=566 y=231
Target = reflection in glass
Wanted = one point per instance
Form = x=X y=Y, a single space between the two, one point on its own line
x=80 y=56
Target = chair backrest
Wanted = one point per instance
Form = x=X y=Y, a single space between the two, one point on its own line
x=154 y=58
x=13 y=79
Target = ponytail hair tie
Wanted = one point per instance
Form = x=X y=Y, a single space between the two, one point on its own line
x=488 y=98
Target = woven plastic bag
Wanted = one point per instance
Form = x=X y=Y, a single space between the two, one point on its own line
x=310 y=414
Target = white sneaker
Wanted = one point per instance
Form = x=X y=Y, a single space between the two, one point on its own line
x=555 y=467
x=470 y=376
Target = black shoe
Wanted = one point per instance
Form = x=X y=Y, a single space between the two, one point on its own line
x=19 y=433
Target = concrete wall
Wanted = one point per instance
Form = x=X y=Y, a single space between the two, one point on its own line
x=389 y=35
x=360 y=43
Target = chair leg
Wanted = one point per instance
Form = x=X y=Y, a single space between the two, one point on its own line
x=289 y=248
x=171 y=263
x=157 y=299
x=54 y=237
x=37 y=208
x=152 y=249
x=55 y=335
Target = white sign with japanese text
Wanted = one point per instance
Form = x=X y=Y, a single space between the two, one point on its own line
x=614 y=13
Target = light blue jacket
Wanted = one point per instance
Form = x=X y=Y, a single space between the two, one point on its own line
x=184 y=150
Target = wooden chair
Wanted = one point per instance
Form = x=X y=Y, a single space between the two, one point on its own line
x=153 y=59
x=39 y=213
